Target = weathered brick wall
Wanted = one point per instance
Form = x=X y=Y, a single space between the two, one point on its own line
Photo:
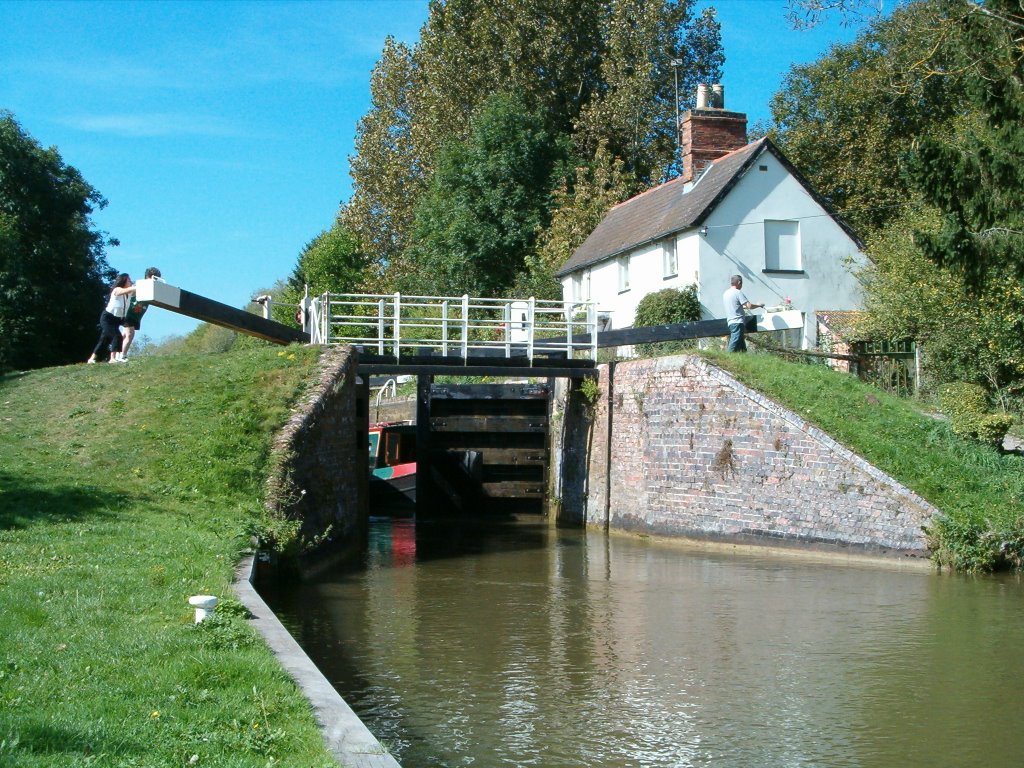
x=318 y=464
x=695 y=453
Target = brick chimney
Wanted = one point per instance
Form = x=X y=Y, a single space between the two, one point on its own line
x=709 y=131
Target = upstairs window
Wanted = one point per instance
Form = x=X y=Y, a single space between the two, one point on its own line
x=782 y=246
x=670 y=262
x=623 y=274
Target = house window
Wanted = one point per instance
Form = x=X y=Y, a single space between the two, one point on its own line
x=670 y=262
x=586 y=285
x=623 y=274
x=782 y=246
x=577 y=289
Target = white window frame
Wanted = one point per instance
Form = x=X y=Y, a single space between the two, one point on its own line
x=670 y=258
x=782 y=252
x=623 y=264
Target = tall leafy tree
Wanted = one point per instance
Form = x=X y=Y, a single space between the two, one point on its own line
x=53 y=269
x=386 y=169
x=487 y=202
x=645 y=47
x=579 y=205
x=976 y=177
x=964 y=335
x=559 y=57
x=850 y=119
x=931 y=163
x=545 y=51
x=332 y=261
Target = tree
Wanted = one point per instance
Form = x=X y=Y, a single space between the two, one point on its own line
x=849 y=120
x=915 y=133
x=53 y=269
x=386 y=170
x=598 y=70
x=486 y=204
x=963 y=336
x=634 y=111
x=976 y=177
x=332 y=261
x=579 y=206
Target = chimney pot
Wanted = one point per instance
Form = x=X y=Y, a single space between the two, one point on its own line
x=702 y=97
x=708 y=131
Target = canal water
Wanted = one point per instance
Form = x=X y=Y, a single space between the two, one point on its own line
x=522 y=645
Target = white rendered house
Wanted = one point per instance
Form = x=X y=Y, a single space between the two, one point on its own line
x=738 y=209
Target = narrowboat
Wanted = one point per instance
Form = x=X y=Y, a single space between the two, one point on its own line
x=393 y=466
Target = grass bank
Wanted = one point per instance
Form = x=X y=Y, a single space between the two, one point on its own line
x=123 y=491
x=979 y=490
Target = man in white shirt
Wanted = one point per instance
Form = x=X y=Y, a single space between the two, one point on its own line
x=735 y=302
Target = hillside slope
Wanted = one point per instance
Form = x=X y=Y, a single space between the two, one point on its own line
x=123 y=491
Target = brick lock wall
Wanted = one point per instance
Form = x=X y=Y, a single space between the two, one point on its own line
x=695 y=453
x=318 y=466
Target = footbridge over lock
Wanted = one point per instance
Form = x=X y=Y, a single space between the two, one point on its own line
x=480 y=445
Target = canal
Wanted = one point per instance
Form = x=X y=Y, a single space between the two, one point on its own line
x=522 y=645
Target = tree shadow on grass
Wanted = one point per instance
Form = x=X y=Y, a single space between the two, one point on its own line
x=24 y=503
x=45 y=739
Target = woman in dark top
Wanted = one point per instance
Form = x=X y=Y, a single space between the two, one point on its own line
x=112 y=317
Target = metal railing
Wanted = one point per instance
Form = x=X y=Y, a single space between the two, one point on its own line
x=459 y=326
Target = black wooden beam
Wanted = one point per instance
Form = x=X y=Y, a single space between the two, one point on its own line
x=454 y=361
x=165 y=296
x=395 y=369
x=655 y=333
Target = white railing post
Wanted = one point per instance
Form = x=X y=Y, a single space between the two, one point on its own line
x=322 y=318
x=507 y=323
x=444 y=328
x=465 y=326
x=592 y=328
x=308 y=318
x=380 y=327
x=570 y=311
x=398 y=325
x=529 y=330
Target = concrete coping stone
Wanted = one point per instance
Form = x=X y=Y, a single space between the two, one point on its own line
x=346 y=736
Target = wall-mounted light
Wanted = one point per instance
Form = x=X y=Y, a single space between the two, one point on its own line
x=704 y=231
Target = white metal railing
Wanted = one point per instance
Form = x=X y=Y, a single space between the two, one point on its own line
x=395 y=324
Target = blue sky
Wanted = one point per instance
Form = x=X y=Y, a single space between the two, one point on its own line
x=220 y=132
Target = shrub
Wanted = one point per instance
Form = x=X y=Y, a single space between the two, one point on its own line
x=965 y=545
x=667 y=307
x=590 y=391
x=961 y=398
x=967 y=407
x=991 y=428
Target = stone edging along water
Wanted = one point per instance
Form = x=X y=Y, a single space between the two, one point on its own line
x=347 y=737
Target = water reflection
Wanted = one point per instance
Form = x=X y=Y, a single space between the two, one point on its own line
x=521 y=645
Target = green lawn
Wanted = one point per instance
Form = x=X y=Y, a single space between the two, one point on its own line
x=980 y=490
x=123 y=491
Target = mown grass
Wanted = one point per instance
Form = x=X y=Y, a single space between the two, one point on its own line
x=123 y=491
x=979 y=490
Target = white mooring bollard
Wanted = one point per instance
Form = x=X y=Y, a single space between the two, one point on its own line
x=204 y=605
